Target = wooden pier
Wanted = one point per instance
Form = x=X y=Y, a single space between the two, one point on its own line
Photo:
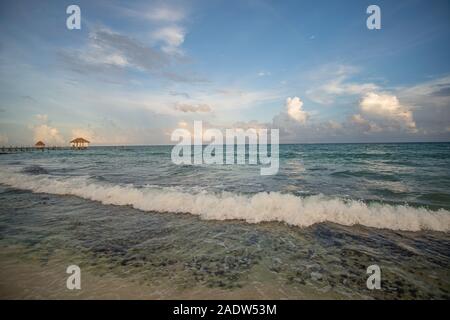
x=16 y=149
x=76 y=144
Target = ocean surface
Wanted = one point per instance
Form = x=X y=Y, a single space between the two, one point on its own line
x=149 y=228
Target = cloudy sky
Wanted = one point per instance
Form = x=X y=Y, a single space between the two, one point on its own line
x=139 y=69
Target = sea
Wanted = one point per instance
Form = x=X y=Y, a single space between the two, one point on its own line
x=140 y=226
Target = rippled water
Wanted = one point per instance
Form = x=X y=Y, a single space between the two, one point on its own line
x=130 y=214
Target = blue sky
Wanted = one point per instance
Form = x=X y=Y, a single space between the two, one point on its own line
x=139 y=69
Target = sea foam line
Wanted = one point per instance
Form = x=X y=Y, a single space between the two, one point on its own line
x=260 y=207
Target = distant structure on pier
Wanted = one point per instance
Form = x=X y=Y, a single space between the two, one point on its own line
x=40 y=145
x=79 y=143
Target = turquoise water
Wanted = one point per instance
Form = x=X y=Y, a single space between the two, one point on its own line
x=331 y=211
x=416 y=174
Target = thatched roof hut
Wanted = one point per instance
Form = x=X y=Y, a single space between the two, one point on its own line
x=80 y=143
x=39 y=144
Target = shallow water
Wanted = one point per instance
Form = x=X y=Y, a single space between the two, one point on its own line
x=199 y=249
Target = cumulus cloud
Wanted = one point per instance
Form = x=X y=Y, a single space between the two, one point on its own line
x=49 y=135
x=45 y=132
x=387 y=107
x=292 y=120
x=294 y=109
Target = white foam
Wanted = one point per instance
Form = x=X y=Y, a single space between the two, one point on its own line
x=274 y=206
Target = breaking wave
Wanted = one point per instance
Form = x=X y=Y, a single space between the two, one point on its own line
x=260 y=207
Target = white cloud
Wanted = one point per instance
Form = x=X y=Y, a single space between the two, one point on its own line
x=172 y=38
x=108 y=52
x=340 y=87
x=107 y=49
x=387 y=107
x=116 y=59
x=165 y=22
x=168 y=30
x=334 y=81
x=46 y=133
x=49 y=135
x=294 y=109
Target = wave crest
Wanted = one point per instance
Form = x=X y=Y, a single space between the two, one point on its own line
x=260 y=207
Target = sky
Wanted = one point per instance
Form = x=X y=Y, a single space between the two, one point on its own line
x=137 y=70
